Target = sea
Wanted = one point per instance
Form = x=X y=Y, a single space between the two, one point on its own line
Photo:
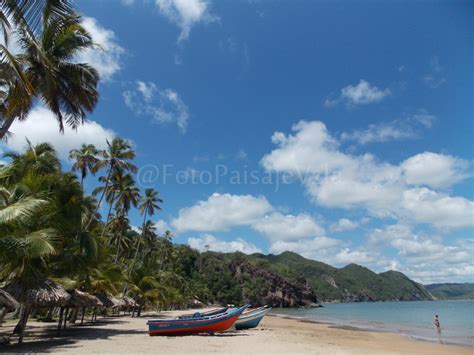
x=413 y=319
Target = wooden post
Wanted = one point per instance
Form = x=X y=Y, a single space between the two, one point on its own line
x=83 y=314
x=65 y=317
x=61 y=311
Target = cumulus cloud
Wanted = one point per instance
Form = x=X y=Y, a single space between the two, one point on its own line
x=343 y=225
x=221 y=212
x=434 y=170
x=161 y=227
x=41 y=126
x=361 y=94
x=209 y=242
x=405 y=128
x=107 y=57
x=336 y=179
x=162 y=105
x=425 y=257
x=186 y=14
x=278 y=226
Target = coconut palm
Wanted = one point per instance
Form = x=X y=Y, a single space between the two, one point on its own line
x=85 y=160
x=149 y=203
x=116 y=157
x=46 y=68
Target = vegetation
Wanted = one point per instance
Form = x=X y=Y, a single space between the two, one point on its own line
x=452 y=291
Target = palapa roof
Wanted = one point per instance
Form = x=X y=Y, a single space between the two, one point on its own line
x=44 y=293
x=130 y=301
x=118 y=302
x=8 y=302
x=105 y=299
x=81 y=299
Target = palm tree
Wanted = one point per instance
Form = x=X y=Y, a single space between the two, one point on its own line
x=116 y=157
x=149 y=203
x=46 y=68
x=85 y=160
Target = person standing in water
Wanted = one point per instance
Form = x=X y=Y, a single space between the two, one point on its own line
x=438 y=327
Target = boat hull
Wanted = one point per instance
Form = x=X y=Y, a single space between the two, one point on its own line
x=251 y=319
x=212 y=324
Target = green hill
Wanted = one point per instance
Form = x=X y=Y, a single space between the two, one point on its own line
x=352 y=283
x=452 y=291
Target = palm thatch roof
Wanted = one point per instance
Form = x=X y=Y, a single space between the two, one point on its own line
x=130 y=302
x=42 y=294
x=118 y=302
x=81 y=299
x=105 y=299
x=8 y=302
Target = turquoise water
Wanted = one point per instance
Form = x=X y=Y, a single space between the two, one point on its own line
x=414 y=319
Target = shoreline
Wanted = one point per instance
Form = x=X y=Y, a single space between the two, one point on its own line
x=123 y=334
x=342 y=326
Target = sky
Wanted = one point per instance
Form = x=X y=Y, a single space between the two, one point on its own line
x=340 y=130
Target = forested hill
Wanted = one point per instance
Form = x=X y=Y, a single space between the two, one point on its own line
x=290 y=280
x=452 y=291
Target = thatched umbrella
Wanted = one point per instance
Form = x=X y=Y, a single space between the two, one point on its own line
x=7 y=305
x=41 y=294
x=82 y=300
x=104 y=299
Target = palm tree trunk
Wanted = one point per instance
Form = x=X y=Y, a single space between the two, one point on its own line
x=24 y=313
x=6 y=126
x=109 y=173
x=139 y=242
x=108 y=215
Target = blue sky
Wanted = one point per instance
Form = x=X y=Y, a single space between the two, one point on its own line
x=370 y=102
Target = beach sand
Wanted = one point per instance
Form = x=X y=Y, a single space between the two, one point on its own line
x=274 y=335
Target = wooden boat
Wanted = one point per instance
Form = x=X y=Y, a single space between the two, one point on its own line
x=251 y=318
x=212 y=312
x=210 y=324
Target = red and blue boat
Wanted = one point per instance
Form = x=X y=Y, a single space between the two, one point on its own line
x=251 y=318
x=207 y=324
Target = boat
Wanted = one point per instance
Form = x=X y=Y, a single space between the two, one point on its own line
x=209 y=324
x=251 y=318
x=212 y=312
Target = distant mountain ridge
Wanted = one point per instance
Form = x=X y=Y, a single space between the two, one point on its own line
x=352 y=283
x=290 y=280
x=452 y=291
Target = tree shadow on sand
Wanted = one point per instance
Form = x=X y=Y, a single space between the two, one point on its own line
x=44 y=339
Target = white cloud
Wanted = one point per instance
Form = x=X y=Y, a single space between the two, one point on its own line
x=336 y=179
x=186 y=14
x=361 y=94
x=107 y=59
x=393 y=130
x=41 y=126
x=425 y=257
x=440 y=210
x=161 y=227
x=209 y=242
x=343 y=225
x=277 y=226
x=221 y=212
x=162 y=105
x=435 y=170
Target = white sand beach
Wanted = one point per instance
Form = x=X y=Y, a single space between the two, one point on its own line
x=275 y=335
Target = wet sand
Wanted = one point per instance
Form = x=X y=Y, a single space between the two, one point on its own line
x=274 y=335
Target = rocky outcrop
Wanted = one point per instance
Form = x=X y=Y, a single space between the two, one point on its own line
x=271 y=288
